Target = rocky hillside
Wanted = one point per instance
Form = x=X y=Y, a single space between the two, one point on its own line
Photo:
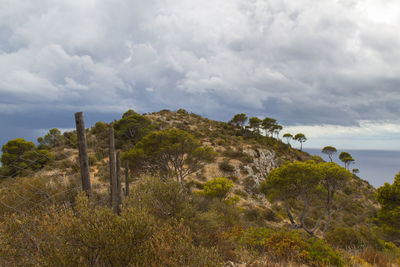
x=246 y=159
x=243 y=157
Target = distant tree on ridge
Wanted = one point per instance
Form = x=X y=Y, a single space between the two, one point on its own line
x=239 y=120
x=288 y=137
x=329 y=150
x=301 y=138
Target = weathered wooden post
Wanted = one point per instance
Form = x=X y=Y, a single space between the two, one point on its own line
x=113 y=172
x=83 y=156
x=119 y=197
x=127 y=178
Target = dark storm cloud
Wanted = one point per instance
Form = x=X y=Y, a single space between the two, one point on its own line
x=302 y=62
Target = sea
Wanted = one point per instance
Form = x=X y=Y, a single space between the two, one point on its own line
x=376 y=166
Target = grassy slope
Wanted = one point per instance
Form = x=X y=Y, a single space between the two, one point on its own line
x=357 y=200
x=246 y=161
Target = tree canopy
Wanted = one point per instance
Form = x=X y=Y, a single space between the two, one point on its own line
x=100 y=130
x=329 y=150
x=20 y=155
x=52 y=139
x=131 y=129
x=346 y=158
x=333 y=178
x=344 y=154
x=276 y=129
x=268 y=125
x=388 y=216
x=301 y=138
x=307 y=182
x=255 y=124
x=136 y=159
x=171 y=153
x=288 y=137
x=239 y=120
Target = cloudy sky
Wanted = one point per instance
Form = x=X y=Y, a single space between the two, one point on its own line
x=328 y=68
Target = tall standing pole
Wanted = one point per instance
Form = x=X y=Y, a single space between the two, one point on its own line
x=113 y=172
x=83 y=155
x=127 y=178
x=119 y=197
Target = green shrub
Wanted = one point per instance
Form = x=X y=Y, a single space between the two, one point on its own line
x=254 y=238
x=322 y=253
x=217 y=188
x=289 y=246
x=361 y=237
x=345 y=237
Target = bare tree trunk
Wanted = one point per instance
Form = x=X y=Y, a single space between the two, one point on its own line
x=83 y=156
x=127 y=178
x=113 y=172
x=303 y=216
x=289 y=213
x=328 y=209
x=305 y=211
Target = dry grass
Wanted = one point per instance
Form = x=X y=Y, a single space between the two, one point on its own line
x=372 y=257
x=375 y=258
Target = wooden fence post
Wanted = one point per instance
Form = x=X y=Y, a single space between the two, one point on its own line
x=127 y=178
x=83 y=156
x=119 y=197
x=113 y=173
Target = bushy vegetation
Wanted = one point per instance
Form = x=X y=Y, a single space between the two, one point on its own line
x=20 y=156
x=45 y=221
x=389 y=216
x=308 y=184
x=284 y=246
x=131 y=128
x=159 y=225
x=217 y=188
x=169 y=154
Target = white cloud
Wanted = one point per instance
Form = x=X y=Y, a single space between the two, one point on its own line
x=303 y=62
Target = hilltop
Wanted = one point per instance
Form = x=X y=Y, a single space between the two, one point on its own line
x=245 y=226
x=247 y=159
